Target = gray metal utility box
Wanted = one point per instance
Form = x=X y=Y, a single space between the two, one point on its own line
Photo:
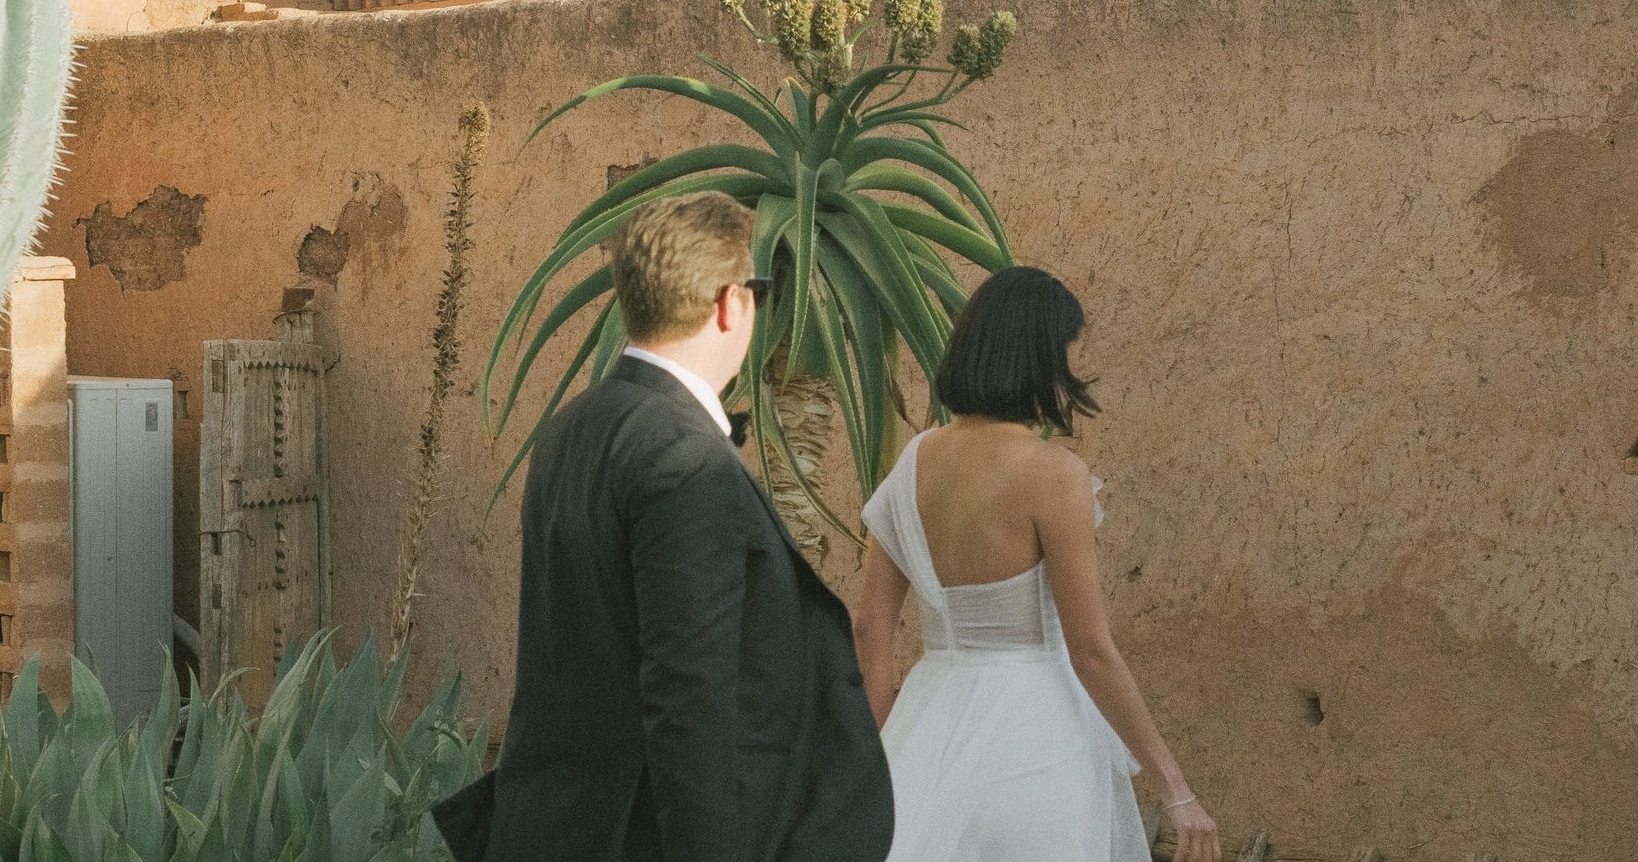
x=120 y=510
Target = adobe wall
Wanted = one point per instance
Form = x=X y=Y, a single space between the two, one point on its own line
x=1363 y=303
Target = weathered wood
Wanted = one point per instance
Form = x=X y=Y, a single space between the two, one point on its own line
x=1163 y=846
x=263 y=548
x=1262 y=847
x=1153 y=817
x=1366 y=854
x=1256 y=848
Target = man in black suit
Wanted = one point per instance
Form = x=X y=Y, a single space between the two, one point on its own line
x=687 y=689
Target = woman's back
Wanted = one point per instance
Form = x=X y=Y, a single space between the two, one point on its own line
x=998 y=751
x=979 y=484
x=998 y=755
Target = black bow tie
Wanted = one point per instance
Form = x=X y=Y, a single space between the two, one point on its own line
x=737 y=424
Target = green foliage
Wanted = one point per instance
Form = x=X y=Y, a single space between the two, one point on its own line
x=36 y=66
x=321 y=775
x=855 y=194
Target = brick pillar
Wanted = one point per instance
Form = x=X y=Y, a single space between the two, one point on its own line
x=36 y=555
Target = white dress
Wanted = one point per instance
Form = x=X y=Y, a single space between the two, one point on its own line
x=997 y=753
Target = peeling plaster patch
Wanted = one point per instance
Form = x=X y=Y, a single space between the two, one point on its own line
x=613 y=176
x=1566 y=205
x=146 y=248
x=619 y=173
x=321 y=256
x=372 y=224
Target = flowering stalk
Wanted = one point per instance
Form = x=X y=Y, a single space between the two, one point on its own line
x=812 y=35
x=446 y=345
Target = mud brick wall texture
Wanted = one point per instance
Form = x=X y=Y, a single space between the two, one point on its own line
x=36 y=556
x=1362 y=304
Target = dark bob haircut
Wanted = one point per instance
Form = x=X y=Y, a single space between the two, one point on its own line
x=1008 y=357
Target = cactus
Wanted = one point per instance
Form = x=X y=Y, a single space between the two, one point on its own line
x=36 y=67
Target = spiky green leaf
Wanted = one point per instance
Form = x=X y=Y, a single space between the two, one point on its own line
x=967 y=243
x=770 y=125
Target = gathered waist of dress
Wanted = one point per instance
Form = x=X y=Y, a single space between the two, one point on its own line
x=970 y=656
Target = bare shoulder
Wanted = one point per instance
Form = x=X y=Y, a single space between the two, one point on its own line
x=1047 y=479
x=1062 y=504
x=1049 y=463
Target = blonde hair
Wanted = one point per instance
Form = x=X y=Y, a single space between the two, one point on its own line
x=673 y=256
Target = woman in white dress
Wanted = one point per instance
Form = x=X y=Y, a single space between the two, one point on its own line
x=1015 y=736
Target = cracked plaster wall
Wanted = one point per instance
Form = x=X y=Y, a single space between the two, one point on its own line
x=1361 y=298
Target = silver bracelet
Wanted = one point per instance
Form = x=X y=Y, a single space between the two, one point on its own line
x=1179 y=803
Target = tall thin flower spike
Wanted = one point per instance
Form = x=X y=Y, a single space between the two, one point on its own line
x=426 y=477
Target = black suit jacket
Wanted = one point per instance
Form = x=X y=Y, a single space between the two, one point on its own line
x=687 y=689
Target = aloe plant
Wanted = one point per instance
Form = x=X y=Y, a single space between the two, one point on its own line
x=36 y=66
x=855 y=194
x=320 y=775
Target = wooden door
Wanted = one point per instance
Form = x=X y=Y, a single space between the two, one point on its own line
x=264 y=550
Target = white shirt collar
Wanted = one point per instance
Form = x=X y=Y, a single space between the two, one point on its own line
x=696 y=385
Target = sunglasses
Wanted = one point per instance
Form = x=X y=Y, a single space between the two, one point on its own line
x=760 y=287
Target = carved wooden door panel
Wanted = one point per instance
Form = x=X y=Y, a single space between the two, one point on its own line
x=264 y=551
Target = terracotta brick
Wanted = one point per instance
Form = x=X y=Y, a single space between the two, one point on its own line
x=43 y=537
x=42 y=622
x=45 y=445
x=33 y=470
x=47 y=415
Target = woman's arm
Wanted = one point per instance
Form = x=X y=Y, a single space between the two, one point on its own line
x=1064 y=526
x=874 y=623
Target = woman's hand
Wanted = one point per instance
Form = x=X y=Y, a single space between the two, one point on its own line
x=1196 y=833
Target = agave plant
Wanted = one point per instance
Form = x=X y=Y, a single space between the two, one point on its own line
x=36 y=66
x=320 y=775
x=857 y=199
